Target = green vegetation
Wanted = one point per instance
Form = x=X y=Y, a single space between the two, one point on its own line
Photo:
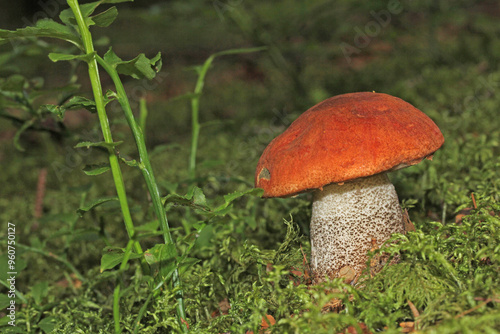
x=93 y=164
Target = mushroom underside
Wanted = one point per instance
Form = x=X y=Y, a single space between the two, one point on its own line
x=348 y=221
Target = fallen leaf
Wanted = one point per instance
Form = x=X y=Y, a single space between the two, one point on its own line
x=267 y=321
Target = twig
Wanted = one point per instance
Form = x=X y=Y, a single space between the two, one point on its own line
x=473 y=200
x=413 y=309
x=407 y=222
x=40 y=195
x=415 y=313
x=495 y=300
x=305 y=257
x=473 y=309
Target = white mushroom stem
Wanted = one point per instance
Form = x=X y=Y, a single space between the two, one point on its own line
x=348 y=221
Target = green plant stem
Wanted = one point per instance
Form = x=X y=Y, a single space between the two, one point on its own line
x=116 y=293
x=17 y=292
x=143 y=115
x=106 y=130
x=144 y=163
x=116 y=307
x=55 y=257
x=195 y=103
x=147 y=172
x=195 y=122
x=143 y=310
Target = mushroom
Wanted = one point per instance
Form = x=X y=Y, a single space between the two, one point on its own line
x=342 y=148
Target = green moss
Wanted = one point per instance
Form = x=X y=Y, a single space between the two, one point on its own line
x=443 y=60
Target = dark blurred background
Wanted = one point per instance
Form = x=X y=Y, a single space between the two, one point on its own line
x=19 y=13
x=442 y=56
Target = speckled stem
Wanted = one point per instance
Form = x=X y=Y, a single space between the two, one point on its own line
x=348 y=221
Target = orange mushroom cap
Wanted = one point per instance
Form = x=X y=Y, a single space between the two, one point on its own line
x=344 y=138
